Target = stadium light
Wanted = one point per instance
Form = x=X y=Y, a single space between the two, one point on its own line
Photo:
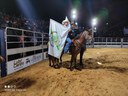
x=74 y=14
x=94 y=23
x=76 y=23
x=74 y=11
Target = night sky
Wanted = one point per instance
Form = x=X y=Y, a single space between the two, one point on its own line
x=113 y=12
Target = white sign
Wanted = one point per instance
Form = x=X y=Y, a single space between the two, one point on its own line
x=19 y=64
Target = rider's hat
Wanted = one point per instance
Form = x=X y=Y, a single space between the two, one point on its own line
x=65 y=21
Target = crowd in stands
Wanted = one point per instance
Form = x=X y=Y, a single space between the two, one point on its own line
x=23 y=23
x=40 y=25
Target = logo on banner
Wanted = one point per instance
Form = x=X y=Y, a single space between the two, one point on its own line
x=18 y=63
x=28 y=61
x=54 y=39
x=36 y=58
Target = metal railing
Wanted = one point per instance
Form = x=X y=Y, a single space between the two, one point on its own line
x=22 y=48
x=111 y=42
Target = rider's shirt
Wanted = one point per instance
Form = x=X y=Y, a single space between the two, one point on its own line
x=73 y=33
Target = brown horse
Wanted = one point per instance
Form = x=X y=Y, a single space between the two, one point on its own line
x=78 y=46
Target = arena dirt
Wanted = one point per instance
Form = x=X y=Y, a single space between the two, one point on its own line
x=105 y=73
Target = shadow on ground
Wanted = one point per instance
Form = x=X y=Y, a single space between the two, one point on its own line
x=17 y=83
x=92 y=63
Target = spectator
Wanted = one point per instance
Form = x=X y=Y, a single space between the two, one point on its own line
x=23 y=23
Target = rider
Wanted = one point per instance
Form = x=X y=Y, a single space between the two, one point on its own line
x=71 y=35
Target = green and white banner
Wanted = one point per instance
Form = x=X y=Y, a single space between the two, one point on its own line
x=57 y=37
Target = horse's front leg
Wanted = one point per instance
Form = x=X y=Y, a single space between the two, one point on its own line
x=81 y=57
x=77 y=67
x=75 y=61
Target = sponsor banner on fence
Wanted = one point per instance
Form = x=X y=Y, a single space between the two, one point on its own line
x=19 y=64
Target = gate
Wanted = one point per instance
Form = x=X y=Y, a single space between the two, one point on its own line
x=23 y=48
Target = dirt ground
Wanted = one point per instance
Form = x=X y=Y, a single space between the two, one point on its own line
x=105 y=73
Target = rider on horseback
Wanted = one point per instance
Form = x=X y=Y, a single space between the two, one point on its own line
x=71 y=35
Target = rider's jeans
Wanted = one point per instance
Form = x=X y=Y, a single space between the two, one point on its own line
x=69 y=42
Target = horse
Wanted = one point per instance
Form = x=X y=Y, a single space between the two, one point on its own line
x=78 y=46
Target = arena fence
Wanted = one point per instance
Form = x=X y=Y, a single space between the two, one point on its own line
x=110 y=42
x=22 y=48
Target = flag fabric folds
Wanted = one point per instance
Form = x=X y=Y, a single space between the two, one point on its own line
x=57 y=37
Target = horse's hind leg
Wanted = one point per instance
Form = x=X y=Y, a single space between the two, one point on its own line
x=60 y=63
x=56 y=63
x=75 y=62
x=50 y=60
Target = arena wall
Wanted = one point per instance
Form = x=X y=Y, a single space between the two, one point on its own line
x=23 y=48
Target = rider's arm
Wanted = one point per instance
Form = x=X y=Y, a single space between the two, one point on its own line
x=69 y=30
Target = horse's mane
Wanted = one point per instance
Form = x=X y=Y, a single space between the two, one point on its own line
x=83 y=32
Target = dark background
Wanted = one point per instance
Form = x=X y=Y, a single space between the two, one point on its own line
x=112 y=14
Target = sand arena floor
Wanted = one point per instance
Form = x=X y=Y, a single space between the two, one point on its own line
x=105 y=74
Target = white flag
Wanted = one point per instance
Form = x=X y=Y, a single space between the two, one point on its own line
x=57 y=37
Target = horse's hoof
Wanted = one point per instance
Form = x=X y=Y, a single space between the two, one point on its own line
x=78 y=68
x=50 y=65
x=71 y=69
x=82 y=65
x=56 y=67
x=59 y=66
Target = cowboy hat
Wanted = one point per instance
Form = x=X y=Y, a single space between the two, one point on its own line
x=66 y=20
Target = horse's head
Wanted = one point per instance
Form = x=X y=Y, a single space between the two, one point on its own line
x=88 y=35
